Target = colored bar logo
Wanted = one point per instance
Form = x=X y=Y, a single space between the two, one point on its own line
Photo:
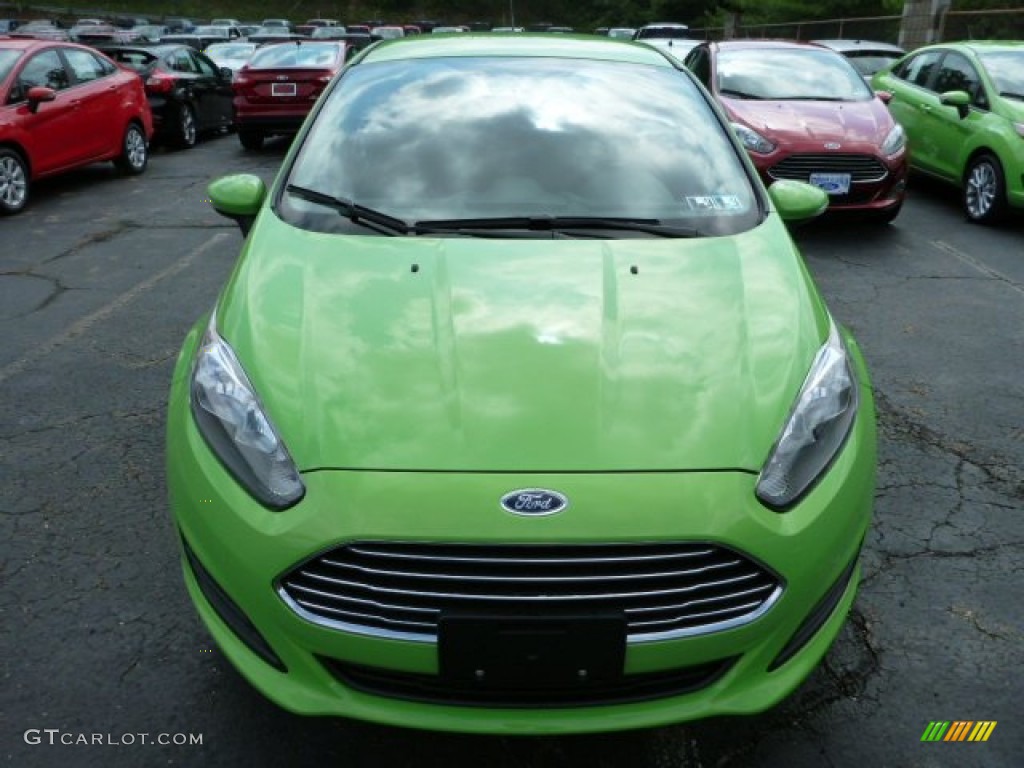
x=958 y=730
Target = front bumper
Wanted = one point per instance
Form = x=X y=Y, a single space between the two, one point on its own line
x=244 y=549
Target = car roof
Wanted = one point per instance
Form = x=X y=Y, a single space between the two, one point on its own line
x=523 y=45
x=843 y=45
x=766 y=43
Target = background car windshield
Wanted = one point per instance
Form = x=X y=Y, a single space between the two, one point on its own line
x=476 y=138
x=1006 y=68
x=283 y=56
x=783 y=74
x=7 y=59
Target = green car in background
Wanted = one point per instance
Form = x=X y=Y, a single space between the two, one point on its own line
x=962 y=106
x=520 y=412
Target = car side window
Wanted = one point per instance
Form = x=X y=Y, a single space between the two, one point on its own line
x=181 y=61
x=45 y=69
x=957 y=74
x=84 y=66
x=918 y=69
x=203 y=65
x=699 y=63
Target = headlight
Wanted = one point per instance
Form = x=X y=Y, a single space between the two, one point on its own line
x=895 y=141
x=232 y=421
x=815 y=430
x=753 y=140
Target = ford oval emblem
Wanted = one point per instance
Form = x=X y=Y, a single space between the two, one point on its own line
x=832 y=145
x=534 y=502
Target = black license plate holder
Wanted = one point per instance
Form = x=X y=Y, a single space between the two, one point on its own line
x=533 y=652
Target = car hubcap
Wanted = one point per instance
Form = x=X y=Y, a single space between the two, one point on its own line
x=981 y=190
x=135 y=148
x=12 y=182
x=188 y=126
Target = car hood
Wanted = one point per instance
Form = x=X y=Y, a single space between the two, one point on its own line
x=523 y=355
x=810 y=123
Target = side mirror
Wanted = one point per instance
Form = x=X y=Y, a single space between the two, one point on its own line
x=239 y=197
x=959 y=99
x=37 y=94
x=227 y=74
x=797 y=201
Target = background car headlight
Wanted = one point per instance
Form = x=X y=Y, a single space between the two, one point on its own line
x=232 y=421
x=895 y=141
x=815 y=430
x=752 y=139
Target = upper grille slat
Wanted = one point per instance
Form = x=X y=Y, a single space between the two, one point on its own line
x=862 y=168
x=401 y=589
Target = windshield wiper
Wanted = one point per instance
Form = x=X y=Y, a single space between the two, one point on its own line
x=357 y=214
x=559 y=224
x=740 y=94
x=1011 y=95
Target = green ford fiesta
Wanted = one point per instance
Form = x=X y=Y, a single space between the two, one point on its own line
x=520 y=412
x=962 y=106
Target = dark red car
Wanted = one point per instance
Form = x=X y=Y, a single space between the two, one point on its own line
x=277 y=88
x=803 y=112
x=62 y=106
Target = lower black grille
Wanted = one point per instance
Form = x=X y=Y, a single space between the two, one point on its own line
x=437 y=690
x=862 y=168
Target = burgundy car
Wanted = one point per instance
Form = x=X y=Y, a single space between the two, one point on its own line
x=277 y=88
x=803 y=112
x=62 y=106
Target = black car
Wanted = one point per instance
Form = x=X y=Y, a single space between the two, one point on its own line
x=187 y=92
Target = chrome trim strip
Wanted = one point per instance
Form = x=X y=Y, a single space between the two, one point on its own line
x=527 y=579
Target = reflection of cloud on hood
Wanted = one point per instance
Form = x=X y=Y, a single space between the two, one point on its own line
x=464 y=138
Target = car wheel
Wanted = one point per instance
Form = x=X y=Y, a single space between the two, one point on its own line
x=250 y=139
x=134 y=151
x=984 y=190
x=186 y=127
x=13 y=182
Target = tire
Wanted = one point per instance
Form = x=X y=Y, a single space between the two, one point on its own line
x=250 y=139
x=134 y=151
x=984 y=190
x=13 y=182
x=187 y=131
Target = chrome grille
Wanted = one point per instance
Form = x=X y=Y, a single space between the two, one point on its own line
x=862 y=168
x=400 y=589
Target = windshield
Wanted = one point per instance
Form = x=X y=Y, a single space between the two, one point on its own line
x=789 y=73
x=291 y=55
x=462 y=138
x=1006 y=68
x=230 y=51
x=7 y=59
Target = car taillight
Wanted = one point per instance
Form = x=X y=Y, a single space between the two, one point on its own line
x=160 y=82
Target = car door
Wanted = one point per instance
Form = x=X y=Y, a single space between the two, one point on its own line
x=50 y=132
x=947 y=127
x=911 y=103
x=212 y=92
x=98 y=99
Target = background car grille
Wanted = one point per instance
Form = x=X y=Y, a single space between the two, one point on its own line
x=862 y=168
x=399 y=589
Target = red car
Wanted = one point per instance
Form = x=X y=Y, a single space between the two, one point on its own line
x=62 y=106
x=278 y=86
x=804 y=112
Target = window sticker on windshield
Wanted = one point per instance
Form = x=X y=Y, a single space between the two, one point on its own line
x=714 y=202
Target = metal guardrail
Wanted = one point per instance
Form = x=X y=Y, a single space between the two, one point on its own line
x=998 y=24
